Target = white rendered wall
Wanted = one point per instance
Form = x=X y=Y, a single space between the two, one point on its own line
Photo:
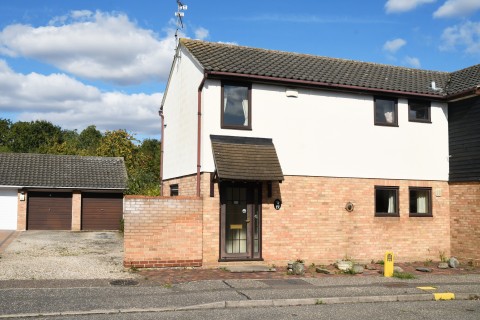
x=8 y=209
x=323 y=133
x=180 y=111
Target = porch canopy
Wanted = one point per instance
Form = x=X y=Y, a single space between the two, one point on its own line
x=245 y=159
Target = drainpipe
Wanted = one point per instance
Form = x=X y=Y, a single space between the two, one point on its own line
x=199 y=132
x=162 y=139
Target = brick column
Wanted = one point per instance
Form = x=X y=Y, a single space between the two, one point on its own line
x=76 y=211
x=22 y=210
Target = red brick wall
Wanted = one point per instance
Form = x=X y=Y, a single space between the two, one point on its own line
x=22 y=211
x=76 y=210
x=187 y=186
x=312 y=224
x=465 y=221
x=162 y=231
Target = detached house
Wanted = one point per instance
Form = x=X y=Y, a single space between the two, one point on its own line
x=290 y=156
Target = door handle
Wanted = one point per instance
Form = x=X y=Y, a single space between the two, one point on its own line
x=247 y=221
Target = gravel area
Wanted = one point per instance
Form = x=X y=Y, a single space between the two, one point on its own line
x=42 y=255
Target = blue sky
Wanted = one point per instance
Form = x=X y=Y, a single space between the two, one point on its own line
x=82 y=62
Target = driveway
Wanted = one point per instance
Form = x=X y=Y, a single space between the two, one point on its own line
x=35 y=255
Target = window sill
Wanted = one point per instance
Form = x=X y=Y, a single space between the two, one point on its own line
x=386 y=124
x=239 y=259
x=420 y=121
x=236 y=128
x=421 y=215
x=387 y=215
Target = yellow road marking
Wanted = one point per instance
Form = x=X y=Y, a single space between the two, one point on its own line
x=444 y=296
x=427 y=288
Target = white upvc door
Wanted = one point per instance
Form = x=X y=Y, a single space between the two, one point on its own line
x=8 y=209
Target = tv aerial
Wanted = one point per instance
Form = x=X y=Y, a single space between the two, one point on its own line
x=180 y=14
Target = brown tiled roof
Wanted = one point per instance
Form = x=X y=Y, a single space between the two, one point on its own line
x=324 y=71
x=62 y=171
x=465 y=79
x=248 y=159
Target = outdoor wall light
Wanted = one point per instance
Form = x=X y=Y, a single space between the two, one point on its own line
x=22 y=196
x=349 y=207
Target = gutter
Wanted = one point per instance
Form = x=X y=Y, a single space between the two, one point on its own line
x=199 y=128
x=469 y=93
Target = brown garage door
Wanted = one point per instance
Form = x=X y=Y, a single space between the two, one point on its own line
x=49 y=211
x=102 y=211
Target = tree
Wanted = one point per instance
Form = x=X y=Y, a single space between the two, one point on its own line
x=5 y=125
x=30 y=136
x=66 y=144
x=89 y=140
x=150 y=149
x=146 y=178
x=119 y=143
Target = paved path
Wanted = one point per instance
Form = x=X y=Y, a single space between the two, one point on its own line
x=6 y=237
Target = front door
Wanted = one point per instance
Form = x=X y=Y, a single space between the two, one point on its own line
x=240 y=221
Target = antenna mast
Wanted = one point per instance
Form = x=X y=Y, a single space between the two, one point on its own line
x=179 y=14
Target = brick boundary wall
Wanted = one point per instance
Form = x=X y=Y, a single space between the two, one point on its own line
x=465 y=221
x=162 y=232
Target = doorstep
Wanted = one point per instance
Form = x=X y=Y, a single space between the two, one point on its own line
x=250 y=268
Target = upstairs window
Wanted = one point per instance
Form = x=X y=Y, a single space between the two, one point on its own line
x=386 y=112
x=386 y=201
x=419 y=111
x=420 y=202
x=236 y=106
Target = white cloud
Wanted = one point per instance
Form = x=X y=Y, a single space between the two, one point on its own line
x=465 y=35
x=97 y=46
x=393 y=6
x=412 y=62
x=62 y=100
x=457 y=8
x=393 y=46
x=201 y=33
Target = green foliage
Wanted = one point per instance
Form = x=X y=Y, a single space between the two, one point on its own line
x=443 y=256
x=33 y=136
x=122 y=226
x=119 y=143
x=5 y=125
x=89 y=140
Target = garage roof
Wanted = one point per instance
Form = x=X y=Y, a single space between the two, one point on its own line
x=62 y=171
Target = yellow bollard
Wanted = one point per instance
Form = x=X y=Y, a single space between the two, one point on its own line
x=388 y=264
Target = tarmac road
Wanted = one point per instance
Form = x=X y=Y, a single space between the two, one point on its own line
x=99 y=297
x=426 y=310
